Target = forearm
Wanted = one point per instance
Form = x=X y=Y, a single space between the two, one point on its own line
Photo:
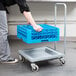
x=29 y=18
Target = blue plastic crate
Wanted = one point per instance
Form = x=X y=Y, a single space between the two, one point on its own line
x=29 y=35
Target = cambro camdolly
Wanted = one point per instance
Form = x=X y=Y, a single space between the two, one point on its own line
x=48 y=34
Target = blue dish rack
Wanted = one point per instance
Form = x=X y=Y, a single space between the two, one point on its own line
x=29 y=35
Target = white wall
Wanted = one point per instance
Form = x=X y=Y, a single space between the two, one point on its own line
x=44 y=11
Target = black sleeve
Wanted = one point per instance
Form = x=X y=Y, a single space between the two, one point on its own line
x=22 y=5
x=1 y=6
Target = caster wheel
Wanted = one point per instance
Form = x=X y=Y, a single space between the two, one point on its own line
x=62 y=60
x=34 y=67
x=21 y=58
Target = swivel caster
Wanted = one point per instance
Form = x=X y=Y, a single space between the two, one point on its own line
x=62 y=61
x=34 y=67
x=21 y=58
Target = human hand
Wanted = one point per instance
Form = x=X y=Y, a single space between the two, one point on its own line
x=28 y=22
x=37 y=28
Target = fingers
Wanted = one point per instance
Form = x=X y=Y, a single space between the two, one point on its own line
x=39 y=29
x=28 y=22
